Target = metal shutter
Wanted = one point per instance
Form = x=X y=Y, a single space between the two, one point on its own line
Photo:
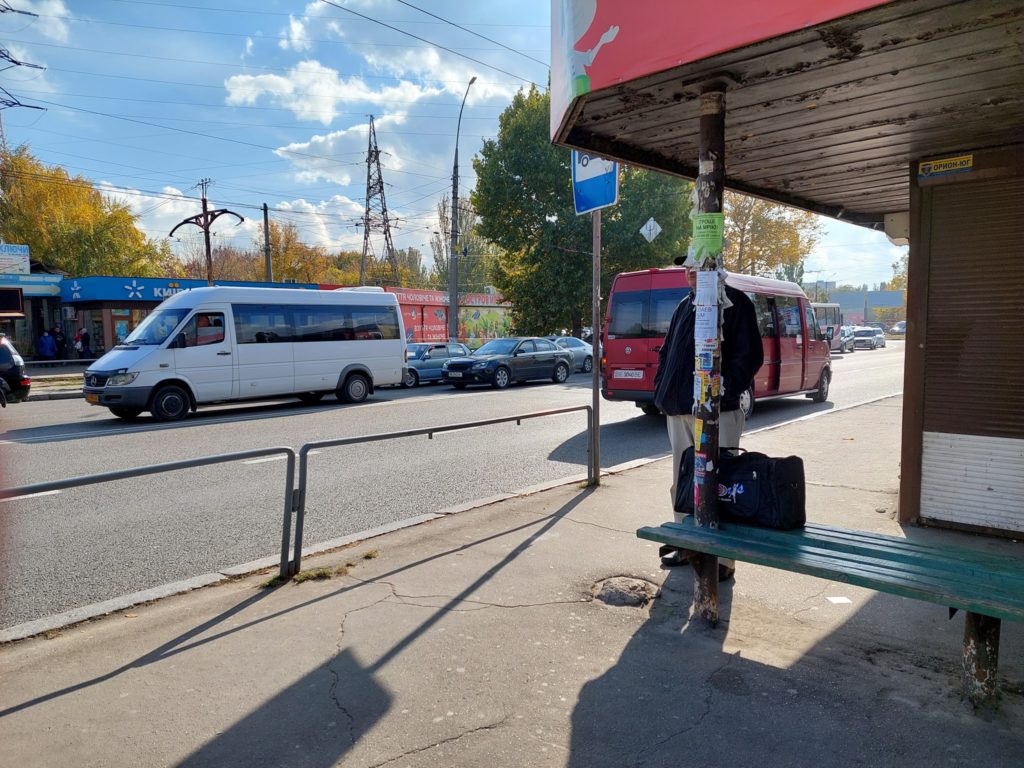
x=973 y=442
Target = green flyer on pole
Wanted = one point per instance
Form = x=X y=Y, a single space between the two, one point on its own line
x=708 y=234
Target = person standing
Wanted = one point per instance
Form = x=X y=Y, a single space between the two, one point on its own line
x=46 y=348
x=61 y=342
x=82 y=345
x=742 y=356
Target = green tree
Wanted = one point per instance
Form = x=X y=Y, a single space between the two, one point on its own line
x=71 y=226
x=767 y=239
x=524 y=199
x=475 y=252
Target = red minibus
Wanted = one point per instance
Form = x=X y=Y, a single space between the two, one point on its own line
x=797 y=360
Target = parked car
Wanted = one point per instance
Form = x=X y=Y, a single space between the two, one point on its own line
x=880 y=337
x=864 y=336
x=427 y=358
x=13 y=380
x=582 y=353
x=899 y=328
x=500 y=362
x=846 y=339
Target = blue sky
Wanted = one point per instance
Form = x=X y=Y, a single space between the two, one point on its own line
x=270 y=101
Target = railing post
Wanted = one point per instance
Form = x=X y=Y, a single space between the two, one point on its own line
x=300 y=508
x=289 y=508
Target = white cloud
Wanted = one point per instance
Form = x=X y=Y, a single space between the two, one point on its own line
x=328 y=223
x=296 y=36
x=49 y=24
x=315 y=92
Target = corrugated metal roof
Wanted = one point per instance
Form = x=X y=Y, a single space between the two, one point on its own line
x=830 y=117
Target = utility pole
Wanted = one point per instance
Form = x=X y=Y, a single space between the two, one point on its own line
x=708 y=229
x=204 y=221
x=266 y=245
x=376 y=213
x=453 y=259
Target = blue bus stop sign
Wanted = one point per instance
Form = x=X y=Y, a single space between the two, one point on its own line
x=595 y=182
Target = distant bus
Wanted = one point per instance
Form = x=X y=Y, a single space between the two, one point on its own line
x=830 y=316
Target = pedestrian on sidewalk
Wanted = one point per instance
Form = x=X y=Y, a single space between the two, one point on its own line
x=46 y=347
x=742 y=356
x=61 y=342
x=82 y=345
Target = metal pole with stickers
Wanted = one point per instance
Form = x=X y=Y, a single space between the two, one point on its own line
x=707 y=243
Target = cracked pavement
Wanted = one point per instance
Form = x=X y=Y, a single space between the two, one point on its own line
x=474 y=639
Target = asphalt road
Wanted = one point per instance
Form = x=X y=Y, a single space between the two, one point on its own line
x=85 y=545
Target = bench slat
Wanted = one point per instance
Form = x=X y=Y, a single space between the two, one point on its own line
x=981 y=582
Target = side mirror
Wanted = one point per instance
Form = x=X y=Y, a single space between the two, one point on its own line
x=830 y=333
x=426 y=356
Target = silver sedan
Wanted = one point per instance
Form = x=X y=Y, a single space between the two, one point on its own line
x=582 y=353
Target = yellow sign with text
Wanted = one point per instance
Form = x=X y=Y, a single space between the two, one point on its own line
x=929 y=168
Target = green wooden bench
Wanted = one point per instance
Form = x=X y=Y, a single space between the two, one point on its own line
x=988 y=587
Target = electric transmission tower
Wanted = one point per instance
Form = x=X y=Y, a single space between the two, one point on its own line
x=384 y=271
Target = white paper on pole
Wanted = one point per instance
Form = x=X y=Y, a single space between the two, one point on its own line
x=706 y=323
x=707 y=288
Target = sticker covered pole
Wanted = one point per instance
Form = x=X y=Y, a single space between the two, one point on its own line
x=708 y=228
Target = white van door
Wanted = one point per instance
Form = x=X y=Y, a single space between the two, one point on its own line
x=203 y=355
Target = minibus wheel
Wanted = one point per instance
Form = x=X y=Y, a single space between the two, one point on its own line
x=821 y=394
x=170 y=403
x=355 y=389
x=747 y=403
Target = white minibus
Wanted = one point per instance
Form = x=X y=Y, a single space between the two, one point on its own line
x=220 y=344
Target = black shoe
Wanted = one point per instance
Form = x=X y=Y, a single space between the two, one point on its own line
x=674 y=557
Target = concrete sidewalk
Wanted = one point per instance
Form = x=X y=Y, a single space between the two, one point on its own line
x=482 y=638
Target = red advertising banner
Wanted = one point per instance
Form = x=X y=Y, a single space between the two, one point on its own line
x=599 y=43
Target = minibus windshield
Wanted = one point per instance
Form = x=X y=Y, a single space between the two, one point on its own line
x=157 y=326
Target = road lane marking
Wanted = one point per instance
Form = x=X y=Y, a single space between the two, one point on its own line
x=30 y=496
x=280 y=457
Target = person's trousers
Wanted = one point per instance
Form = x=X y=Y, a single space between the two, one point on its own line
x=681 y=437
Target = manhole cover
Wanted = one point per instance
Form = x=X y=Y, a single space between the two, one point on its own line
x=624 y=590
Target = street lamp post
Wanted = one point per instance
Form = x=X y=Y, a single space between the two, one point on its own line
x=453 y=253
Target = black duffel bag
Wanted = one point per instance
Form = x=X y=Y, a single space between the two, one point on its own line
x=753 y=488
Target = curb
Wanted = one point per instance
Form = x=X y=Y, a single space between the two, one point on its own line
x=69 y=395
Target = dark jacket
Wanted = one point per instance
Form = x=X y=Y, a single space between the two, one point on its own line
x=742 y=355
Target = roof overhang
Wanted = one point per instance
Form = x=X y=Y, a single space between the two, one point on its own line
x=827 y=117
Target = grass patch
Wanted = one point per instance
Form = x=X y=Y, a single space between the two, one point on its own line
x=373 y=554
x=271 y=583
x=342 y=570
x=311 y=575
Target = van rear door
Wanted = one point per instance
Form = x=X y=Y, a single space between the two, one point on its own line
x=790 y=327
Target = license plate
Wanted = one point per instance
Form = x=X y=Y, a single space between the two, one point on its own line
x=94 y=399
x=454 y=374
x=625 y=374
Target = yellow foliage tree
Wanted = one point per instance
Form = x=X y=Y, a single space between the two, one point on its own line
x=767 y=239
x=71 y=226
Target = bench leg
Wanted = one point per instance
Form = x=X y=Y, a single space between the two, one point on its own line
x=705 y=587
x=981 y=657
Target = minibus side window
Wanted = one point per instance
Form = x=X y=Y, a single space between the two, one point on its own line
x=204 y=328
x=789 y=316
x=261 y=324
x=765 y=316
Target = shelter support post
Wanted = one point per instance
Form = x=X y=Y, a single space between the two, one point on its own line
x=981 y=657
x=707 y=253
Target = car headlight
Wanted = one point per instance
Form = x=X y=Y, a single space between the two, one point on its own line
x=479 y=366
x=121 y=379
x=444 y=366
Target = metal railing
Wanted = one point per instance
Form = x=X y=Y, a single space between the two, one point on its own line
x=295 y=498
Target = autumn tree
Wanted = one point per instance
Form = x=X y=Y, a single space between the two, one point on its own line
x=71 y=226
x=475 y=252
x=524 y=200
x=899 y=275
x=767 y=239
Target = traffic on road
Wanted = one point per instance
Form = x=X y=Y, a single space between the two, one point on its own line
x=82 y=546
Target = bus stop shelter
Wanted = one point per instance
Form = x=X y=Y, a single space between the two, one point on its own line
x=904 y=116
